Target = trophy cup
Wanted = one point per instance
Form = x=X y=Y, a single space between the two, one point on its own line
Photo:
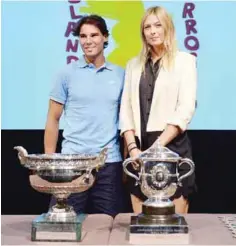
x=158 y=178
x=60 y=175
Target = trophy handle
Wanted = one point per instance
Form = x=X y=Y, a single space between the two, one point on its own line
x=103 y=155
x=22 y=154
x=192 y=167
x=125 y=163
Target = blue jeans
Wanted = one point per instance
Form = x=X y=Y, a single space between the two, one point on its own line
x=105 y=196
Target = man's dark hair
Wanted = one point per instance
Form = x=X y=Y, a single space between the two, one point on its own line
x=94 y=20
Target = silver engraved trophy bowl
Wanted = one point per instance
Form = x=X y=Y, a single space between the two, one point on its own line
x=158 y=177
x=60 y=175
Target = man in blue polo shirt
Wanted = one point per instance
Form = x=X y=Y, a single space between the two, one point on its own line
x=88 y=91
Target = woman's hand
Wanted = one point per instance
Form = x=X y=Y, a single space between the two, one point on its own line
x=169 y=134
x=134 y=153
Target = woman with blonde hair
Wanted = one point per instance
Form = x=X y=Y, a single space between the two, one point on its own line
x=158 y=100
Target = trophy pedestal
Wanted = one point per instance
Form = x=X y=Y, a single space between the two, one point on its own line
x=145 y=229
x=57 y=231
x=159 y=178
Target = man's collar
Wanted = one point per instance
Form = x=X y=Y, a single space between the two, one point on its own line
x=82 y=63
x=108 y=65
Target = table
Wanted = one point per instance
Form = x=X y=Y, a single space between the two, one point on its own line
x=205 y=229
x=100 y=229
x=16 y=230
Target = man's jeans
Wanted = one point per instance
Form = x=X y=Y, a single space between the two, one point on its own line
x=105 y=196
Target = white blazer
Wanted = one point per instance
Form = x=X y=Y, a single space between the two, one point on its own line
x=174 y=96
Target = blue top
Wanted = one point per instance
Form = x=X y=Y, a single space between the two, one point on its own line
x=91 y=98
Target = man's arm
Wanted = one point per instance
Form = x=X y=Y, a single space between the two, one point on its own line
x=52 y=126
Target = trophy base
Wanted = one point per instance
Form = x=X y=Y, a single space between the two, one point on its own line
x=53 y=231
x=159 y=230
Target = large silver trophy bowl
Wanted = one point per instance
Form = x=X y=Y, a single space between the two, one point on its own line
x=60 y=175
x=159 y=178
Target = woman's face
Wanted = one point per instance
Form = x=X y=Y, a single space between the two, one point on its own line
x=153 y=31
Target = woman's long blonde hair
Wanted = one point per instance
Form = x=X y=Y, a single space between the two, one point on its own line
x=170 y=45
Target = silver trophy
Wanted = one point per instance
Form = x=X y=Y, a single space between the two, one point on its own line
x=158 y=178
x=60 y=175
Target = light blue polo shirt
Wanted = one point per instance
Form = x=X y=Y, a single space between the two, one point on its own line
x=91 y=98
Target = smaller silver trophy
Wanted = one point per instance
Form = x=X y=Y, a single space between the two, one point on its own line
x=60 y=175
x=159 y=178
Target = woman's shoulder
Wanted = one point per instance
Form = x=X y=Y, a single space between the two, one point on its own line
x=133 y=62
x=184 y=56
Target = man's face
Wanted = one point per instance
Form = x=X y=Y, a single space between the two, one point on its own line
x=91 y=40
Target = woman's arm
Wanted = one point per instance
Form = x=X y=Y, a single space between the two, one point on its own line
x=126 y=115
x=131 y=146
x=186 y=102
x=169 y=134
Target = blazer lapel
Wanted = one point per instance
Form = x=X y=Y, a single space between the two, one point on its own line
x=136 y=80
